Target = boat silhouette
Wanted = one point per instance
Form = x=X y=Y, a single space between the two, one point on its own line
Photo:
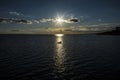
x=60 y=42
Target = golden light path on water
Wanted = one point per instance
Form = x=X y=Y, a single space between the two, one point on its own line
x=59 y=55
x=59 y=35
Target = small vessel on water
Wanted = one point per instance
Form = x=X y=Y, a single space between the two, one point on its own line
x=60 y=42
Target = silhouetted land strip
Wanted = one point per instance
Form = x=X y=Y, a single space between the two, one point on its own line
x=113 y=32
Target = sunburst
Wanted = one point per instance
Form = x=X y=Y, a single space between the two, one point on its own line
x=59 y=20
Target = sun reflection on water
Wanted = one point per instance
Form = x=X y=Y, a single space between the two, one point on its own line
x=59 y=55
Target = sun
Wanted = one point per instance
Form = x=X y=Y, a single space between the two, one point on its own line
x=59 y=19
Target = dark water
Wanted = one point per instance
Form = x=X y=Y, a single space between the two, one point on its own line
x=78 y=57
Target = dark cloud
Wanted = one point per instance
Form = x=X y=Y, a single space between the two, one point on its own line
x=74 y=20
x=5 y=20
x=21 y=21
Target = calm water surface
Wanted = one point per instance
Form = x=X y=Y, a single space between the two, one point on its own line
x=78 y=57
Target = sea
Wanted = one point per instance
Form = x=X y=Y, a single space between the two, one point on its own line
x=67 y=57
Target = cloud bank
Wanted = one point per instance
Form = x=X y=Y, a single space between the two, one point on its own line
x=73 y=20
x=41 y=20
x=10 y=20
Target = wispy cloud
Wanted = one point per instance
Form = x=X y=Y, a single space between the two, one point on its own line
x=15 y=13
x=36 y=21
x=46 y=20
x=104 y=25
x=92 y=28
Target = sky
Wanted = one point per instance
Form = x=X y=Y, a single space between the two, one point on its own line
x=38 y=15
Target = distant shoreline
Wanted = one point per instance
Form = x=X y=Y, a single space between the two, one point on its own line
x=113 y=32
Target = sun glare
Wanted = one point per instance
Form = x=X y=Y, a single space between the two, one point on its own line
x=59 y=19
x=59 y=35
